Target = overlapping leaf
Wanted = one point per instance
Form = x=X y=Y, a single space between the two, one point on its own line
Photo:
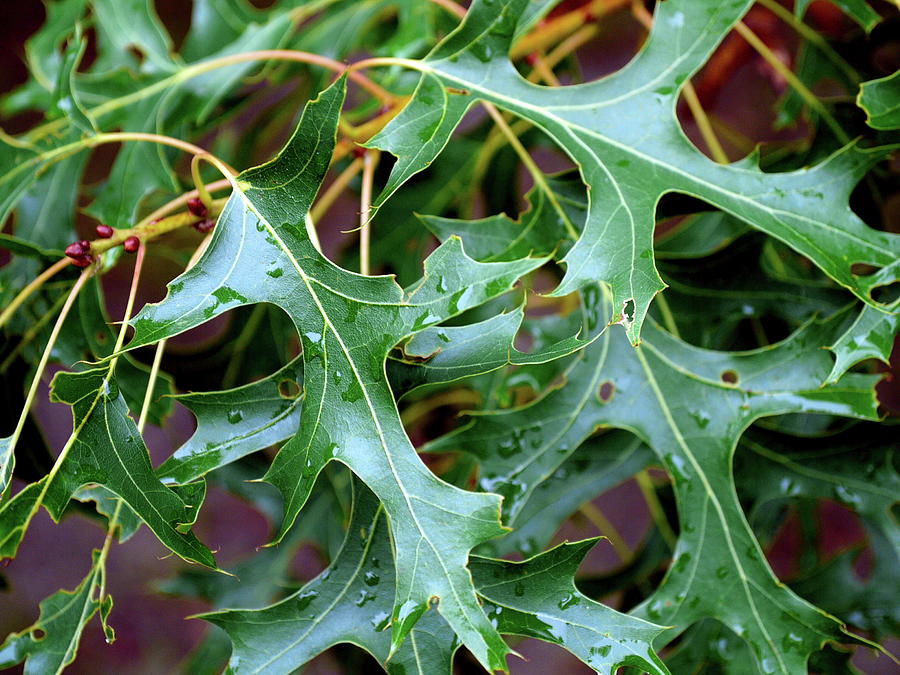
x=690 y=406
x=49 y=645
x=623 y=134
x=881 y=100
x=351 y=600
x=261 y=253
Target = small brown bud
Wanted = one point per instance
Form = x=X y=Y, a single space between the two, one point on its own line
x=104 y=231
x=131 y=244
x=359 y=151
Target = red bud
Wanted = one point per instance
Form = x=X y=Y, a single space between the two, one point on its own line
x=197 y=207
x=83 y=260
x=78 y=248
x=104 y=231
x=131 y=244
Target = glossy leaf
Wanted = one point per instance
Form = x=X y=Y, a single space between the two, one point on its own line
x=265 y=412
x=349 y=413
x=881 y=100
x=690 y=406
x=630 y=149
x=351 y=600
x=870 y=336
x=51 y=643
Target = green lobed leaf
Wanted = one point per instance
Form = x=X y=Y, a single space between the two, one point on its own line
x=105 y=448
x=870 y=336
x=50 y=644
x=631 y=150
x=881 y=100
x=260 y=252
x=600 y=463
x=65 y=100
x=351 y=600
x=444 y=354
x=236 y=422
x=691 y=406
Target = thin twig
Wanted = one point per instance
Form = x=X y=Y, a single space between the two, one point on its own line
x=370 y=161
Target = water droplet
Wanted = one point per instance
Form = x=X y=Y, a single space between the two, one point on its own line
x=701 y=417
x=380 y=621
x=569 y=600
x=364 y=597
x=304 y=599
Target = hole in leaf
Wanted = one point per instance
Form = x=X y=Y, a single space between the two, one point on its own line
x=136 y=53
x=606 y=392
x=288 y=389
x=176 y=17
x=729 y=377
x=886 y=294
x=38 y=634
x=628 y=310
x=862 y=269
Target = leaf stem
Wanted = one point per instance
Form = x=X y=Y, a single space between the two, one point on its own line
x=202 y=192
x=151 y=384
x=648 y=490
x=451 y=7
x=120 y=339
x=370 y=161
x=536 y=174
x=42 y=364
x=562 y=26
x=63 y=151
x=35 y=284
x=32 y=332
x=338 y=185
x=197 y=69
x=667 y=316
x=608 y=530
x=690 y=95
x=810 y=35
x=811 y=100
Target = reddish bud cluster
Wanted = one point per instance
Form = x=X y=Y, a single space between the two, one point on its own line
x=205 y=226
x=80 y=253
x=359 y=151
x=104 y=231
x=131 y=244
x=197 y=207
x=532 y=58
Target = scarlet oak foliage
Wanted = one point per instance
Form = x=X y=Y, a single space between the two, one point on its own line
x=708 y=328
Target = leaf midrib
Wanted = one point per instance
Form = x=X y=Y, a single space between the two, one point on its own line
x=546 y=113
x=307 y=282
x=713 y=498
